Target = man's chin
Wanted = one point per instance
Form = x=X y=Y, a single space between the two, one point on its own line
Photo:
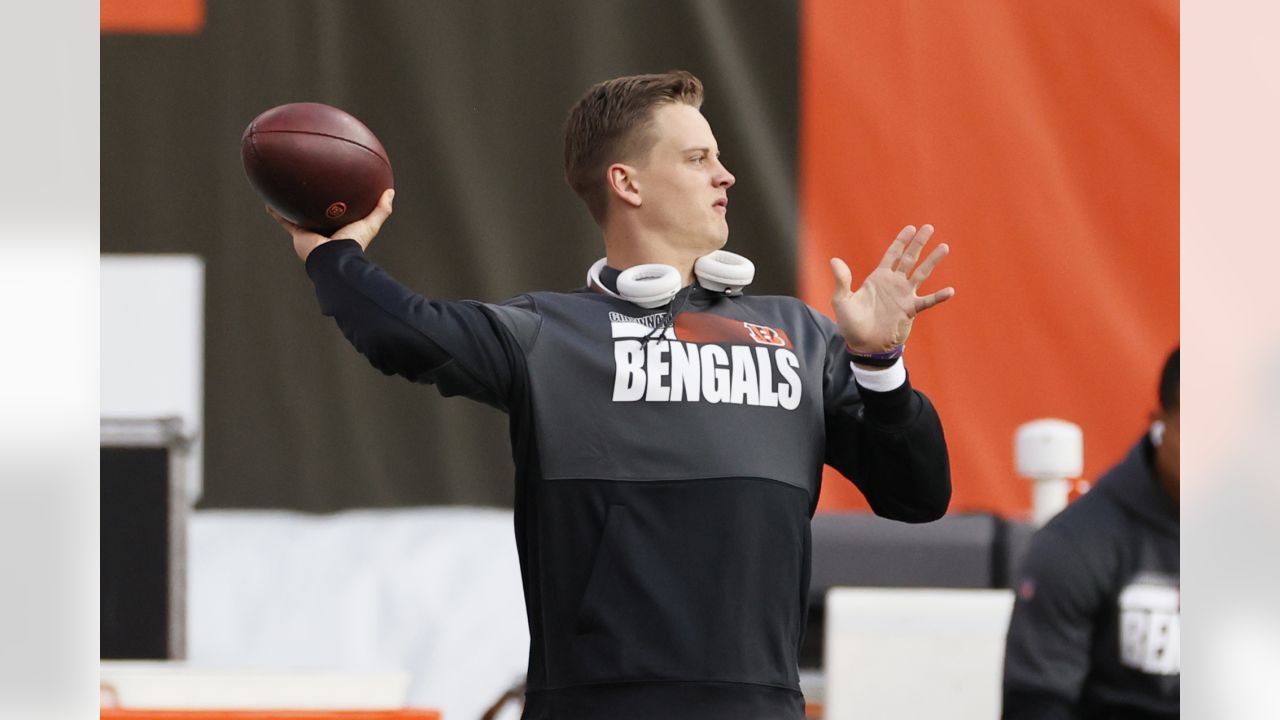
x=721 y=238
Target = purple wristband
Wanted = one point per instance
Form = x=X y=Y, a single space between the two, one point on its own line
x=881 y=359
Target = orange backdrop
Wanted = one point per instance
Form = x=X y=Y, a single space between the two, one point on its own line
x=151 y=16
x=1040 y=138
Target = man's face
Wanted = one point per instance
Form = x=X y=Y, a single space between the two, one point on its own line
x=683 y=186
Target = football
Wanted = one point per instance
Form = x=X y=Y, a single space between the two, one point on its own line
x=316 y=165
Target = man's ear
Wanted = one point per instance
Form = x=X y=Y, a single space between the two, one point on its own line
x=624 y=184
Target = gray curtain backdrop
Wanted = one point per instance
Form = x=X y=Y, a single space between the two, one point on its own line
x=469 y=97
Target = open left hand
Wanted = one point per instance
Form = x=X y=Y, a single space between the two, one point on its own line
x=877 y=318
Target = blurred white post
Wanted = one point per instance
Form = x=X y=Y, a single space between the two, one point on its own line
x=152 y=347
x=1049 y=452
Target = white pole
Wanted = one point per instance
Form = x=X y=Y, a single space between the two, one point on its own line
x=1050 y=452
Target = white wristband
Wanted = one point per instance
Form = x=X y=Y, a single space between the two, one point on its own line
x=881 y=379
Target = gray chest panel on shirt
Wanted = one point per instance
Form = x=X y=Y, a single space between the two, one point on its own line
x=734 y=390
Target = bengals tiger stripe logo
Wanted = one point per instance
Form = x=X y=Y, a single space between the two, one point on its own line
x=765 y=335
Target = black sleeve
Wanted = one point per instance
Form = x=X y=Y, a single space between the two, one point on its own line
x=1049 y=645
x=463 y=347
x=890 y=444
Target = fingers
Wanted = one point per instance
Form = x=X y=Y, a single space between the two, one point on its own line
x=912 y=254
x=844 y=278
x=291 y=227
x=928 y=301
x=366 y=228
x=898 y=246
x=383 y=210
x=926 y=267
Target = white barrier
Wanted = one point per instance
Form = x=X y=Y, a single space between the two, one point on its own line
x=171 y=686
x=432 y=591
x=914 y=653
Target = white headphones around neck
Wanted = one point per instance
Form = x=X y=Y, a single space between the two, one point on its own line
x=654 y=284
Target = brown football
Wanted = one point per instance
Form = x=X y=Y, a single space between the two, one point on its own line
x=315 y=165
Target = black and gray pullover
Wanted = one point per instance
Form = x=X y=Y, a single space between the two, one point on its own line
x=666 y=473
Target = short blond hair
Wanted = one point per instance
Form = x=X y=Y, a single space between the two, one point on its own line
x=610 y=124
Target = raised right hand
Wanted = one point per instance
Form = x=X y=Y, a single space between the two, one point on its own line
x=362 y=231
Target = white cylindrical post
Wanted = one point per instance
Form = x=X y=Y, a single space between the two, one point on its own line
x=1049 y=452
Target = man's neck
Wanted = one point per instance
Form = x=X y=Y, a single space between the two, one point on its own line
x=627 y=250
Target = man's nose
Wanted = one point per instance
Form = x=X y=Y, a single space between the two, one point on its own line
x=724 y=178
